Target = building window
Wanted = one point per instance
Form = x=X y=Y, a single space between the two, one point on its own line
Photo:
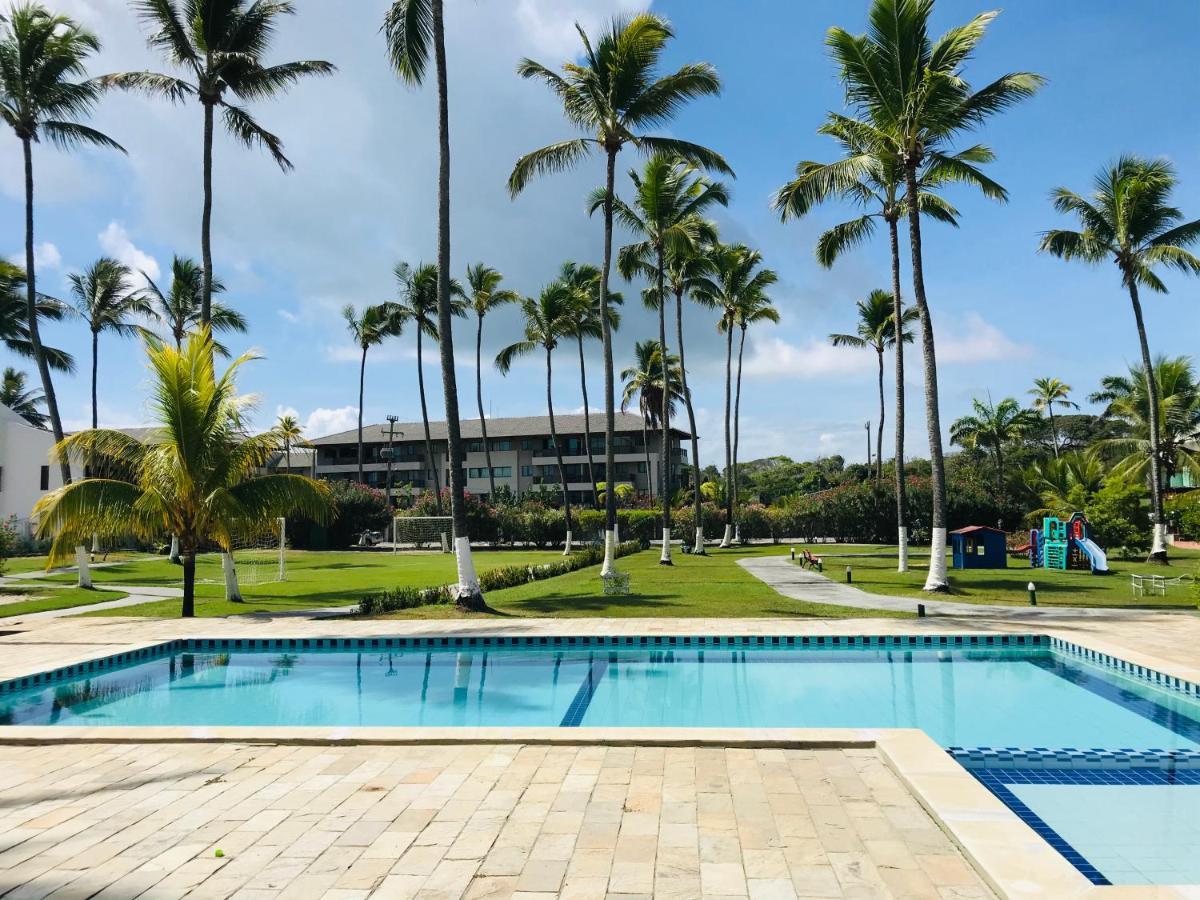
x=45 y=478
x=526 y=471
x=502 y=445
x=641 y=468
x=526 y=444
x=475 y=447
x=502 y=471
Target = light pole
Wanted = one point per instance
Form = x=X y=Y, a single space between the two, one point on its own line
x=867 y=425
x=388 y=453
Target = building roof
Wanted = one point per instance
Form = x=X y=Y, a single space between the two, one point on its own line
x=972 y=529
x=515 y=426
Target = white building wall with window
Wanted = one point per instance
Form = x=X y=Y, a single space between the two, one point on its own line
x=26 y=471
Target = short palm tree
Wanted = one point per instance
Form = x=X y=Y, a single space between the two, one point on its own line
x=194 y=476
x=666 y=212
x=877 y=330
x=484 y=294
x=611 y=97
x=1048 y=393
x=220 y=48
x=291 y=433
x=370 y=328
x=548 y=320
x=738 y=284
x=417 y=303
x=104 y=298
x=43 y=94
x=180 y=309
x=1129 y=220
x=992 y=428
x=907 y=94
x=1066 y=483
x=14 y=318
x=584 y=281
x=25 y=401
x=643 y=382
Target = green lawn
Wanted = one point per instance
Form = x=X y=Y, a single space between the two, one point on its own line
x=21 y=565
x=874 y=570
x=712 y=586
x=40 y=600
x=314 y=579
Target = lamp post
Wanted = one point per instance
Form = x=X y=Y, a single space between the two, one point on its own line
x=867 y=425
x=388 y=453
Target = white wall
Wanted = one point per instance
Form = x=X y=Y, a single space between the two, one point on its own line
x=23 y=451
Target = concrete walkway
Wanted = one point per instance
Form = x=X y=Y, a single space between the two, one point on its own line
x=137 y=594
x=804 y=584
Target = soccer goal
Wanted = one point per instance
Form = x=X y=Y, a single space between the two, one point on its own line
x=422 y=532
x=259 y=556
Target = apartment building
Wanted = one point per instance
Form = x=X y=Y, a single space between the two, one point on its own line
x=523 y=455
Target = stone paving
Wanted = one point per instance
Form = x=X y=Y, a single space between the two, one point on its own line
x=476 y=821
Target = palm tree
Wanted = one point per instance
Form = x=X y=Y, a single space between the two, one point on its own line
x=612 y=97
x=14 y=318
x=220 y=47
x=870 y=175
x=22 y=399
x=668 y=203
x=180 y=309
x=41 y=55
x=1066 y=483
x=738 y=284
x=104 y=298
x=291 y=432
x=993 y=427
x=1048 y=393
x=548 y=319
x=370 y=328
x=418 y=304
x=643 y=382
x=910 y=96
x=1130 y=221
x=877 y=330
x=584 y=282
x=485 y=294
x=1177 y=422
x=193 y=476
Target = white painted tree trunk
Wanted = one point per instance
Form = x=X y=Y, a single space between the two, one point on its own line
x=610 y=554
x=81 y=563
x=617 y=532
x=173 y=556
x=727 y=538
x=233 y=591
x=737 y=533
x=936 y=580
x=699 y=546
x=902 y=563
x=468 y=581
x=567 y=545
x=665 y=557
x=1159 y=544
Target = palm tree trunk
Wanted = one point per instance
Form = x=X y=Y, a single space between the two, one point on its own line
x=687 y=399
x=936 y=580
x=562 y=470
x=646 y=450
x=727 y=538
x=433 y=469
x=189 y=583
x=95 y=373
x=587 y=422
x=1000 y=491
x=882 y=417
x=206 y=220
x=468 y=594
x=287 y=444
x=898 y=311
x=31 y=312
x=737 y=425
x=487 y=450
x=610 y=465
x=664 y=450
x=1158 y=548
x=362 y=375
x=1053 y=428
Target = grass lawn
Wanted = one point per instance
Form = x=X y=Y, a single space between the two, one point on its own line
x=875 y=571
x=21 y=565
x=42 y=599
x=314 y=579
x=712 y=586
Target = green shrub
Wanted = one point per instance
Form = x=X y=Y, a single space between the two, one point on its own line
x=1118 y=517
x=1183 y=510
x=357 y=508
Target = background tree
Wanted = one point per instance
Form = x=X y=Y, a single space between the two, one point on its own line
x=484 y=295
x=25 y=401
x=992 y=428
x=194 y=476
x=644 y=382
x=1048 y=393
x=180 y=310
x=370 y=328
x=753 y=308
x=14 y=319
x=908 y=94
x=1130 y=221
x=43 y=93
x=291 y=433
x=104 y=298
x=611 y=97
x=877 y=330
x=220 y=47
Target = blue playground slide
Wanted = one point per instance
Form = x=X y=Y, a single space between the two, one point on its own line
x=1097 y=557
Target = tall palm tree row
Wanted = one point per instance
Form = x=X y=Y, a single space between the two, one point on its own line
x=908 y=94
x=220 y=48
x=1048 y=393
x=370 y=328
x=44 y=92
x=877 y=330
x=751 y=309
x=612 y=96
x=1130 y=221
x=548 y=319
x=644 y=382
x=666 y=212
x=484 y=295
x=181 y=309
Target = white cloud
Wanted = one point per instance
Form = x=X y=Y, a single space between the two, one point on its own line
x=391 y=352
x=774 y=357
x=287 y=316
x=972 y=339
x=322 y=421
x=114 y=240
x=46 y=256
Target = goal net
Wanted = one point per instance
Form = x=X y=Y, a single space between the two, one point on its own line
x=422 y=533
x=259 y=556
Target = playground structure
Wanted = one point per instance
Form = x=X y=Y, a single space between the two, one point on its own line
x=1066 y=544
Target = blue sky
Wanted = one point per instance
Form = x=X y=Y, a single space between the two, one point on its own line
x=294 y=248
